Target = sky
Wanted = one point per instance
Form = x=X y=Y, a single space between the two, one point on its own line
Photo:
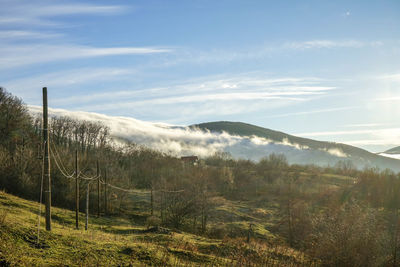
x=326 y=70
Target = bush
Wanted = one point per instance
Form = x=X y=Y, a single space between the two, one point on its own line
x=3 y=216
x=153 y=221
x=217 y=232
x=348 y=236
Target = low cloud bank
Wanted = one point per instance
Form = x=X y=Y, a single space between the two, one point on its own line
x=394 y=156
x=183 y=141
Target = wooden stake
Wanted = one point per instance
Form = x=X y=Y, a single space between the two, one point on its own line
x=105 y=191
x=47 y=178
x=87 y=207
x=98 y=188
x=152 y=201
x=76 y=191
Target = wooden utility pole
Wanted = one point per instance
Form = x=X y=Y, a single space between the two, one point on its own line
x=76 y=191
x=105 y=191
x=47 y=178
x=152 y=201
x=87 y=207
x=98 y=188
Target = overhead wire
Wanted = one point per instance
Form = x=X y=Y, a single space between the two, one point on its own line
x=84 y=177
x=61 y=167
x=59 y=162
x=134 y=191
x=70 y=176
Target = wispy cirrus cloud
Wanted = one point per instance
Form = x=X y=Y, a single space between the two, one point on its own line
x=19 y=34
x=222 y=96
x=328 y=44
x=41 y=13
x=21 y=55
x=363 y=137
x=45 y=45
x=365 y=125
x=243 y=87
x=67 y=78
x=382 y=132
x=300 y=113
x=118 y=93
x=267 y=50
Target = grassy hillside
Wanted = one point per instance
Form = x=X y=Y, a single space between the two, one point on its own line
x=359 y=156
x=120 y=241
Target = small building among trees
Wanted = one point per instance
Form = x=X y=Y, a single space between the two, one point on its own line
x=190 y=159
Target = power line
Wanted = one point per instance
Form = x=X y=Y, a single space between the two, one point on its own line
x=82 y=176
x=64 y=171
x=59 y=168
x=57 y=155
x=135 y=191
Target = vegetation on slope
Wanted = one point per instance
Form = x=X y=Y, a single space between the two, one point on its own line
x=219 y=211
x=118 y=242
x=357 y=156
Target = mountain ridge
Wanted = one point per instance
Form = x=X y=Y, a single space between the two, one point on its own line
x=241 y=140
x=360 y=157
x=394 y=150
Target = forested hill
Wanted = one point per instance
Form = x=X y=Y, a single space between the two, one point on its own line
x=395 y=150
x=305 y=155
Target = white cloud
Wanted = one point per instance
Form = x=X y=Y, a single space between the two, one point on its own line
x=286 y=142
x=364 y=137
x=21 y=16
x=336 y=152
x=199 y=97
x=40 y=12
x=18 y=34
x=175 y=140
x=300 y=113
x=20 y=55
x=337 y=133
x=70 y=9
x=68 y=77
x=318 y=44
x=364 y=125
x=394 y=156
x=205 y=96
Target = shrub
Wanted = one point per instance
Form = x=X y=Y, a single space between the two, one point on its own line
x=153 y=221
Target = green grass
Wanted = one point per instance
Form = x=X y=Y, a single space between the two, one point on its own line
x=118 y=241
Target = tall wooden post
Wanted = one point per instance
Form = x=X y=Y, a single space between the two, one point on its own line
x=152 y=201
x=105 y=191
x=87 y=207
x=98 y=189
x=76 y=191
x=47 y=178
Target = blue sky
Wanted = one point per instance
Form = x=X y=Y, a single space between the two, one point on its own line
x=328 y=70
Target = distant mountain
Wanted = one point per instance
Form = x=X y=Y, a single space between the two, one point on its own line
x=297 y=149
x=391 y=153
x=395 y=150
x=241 y=140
